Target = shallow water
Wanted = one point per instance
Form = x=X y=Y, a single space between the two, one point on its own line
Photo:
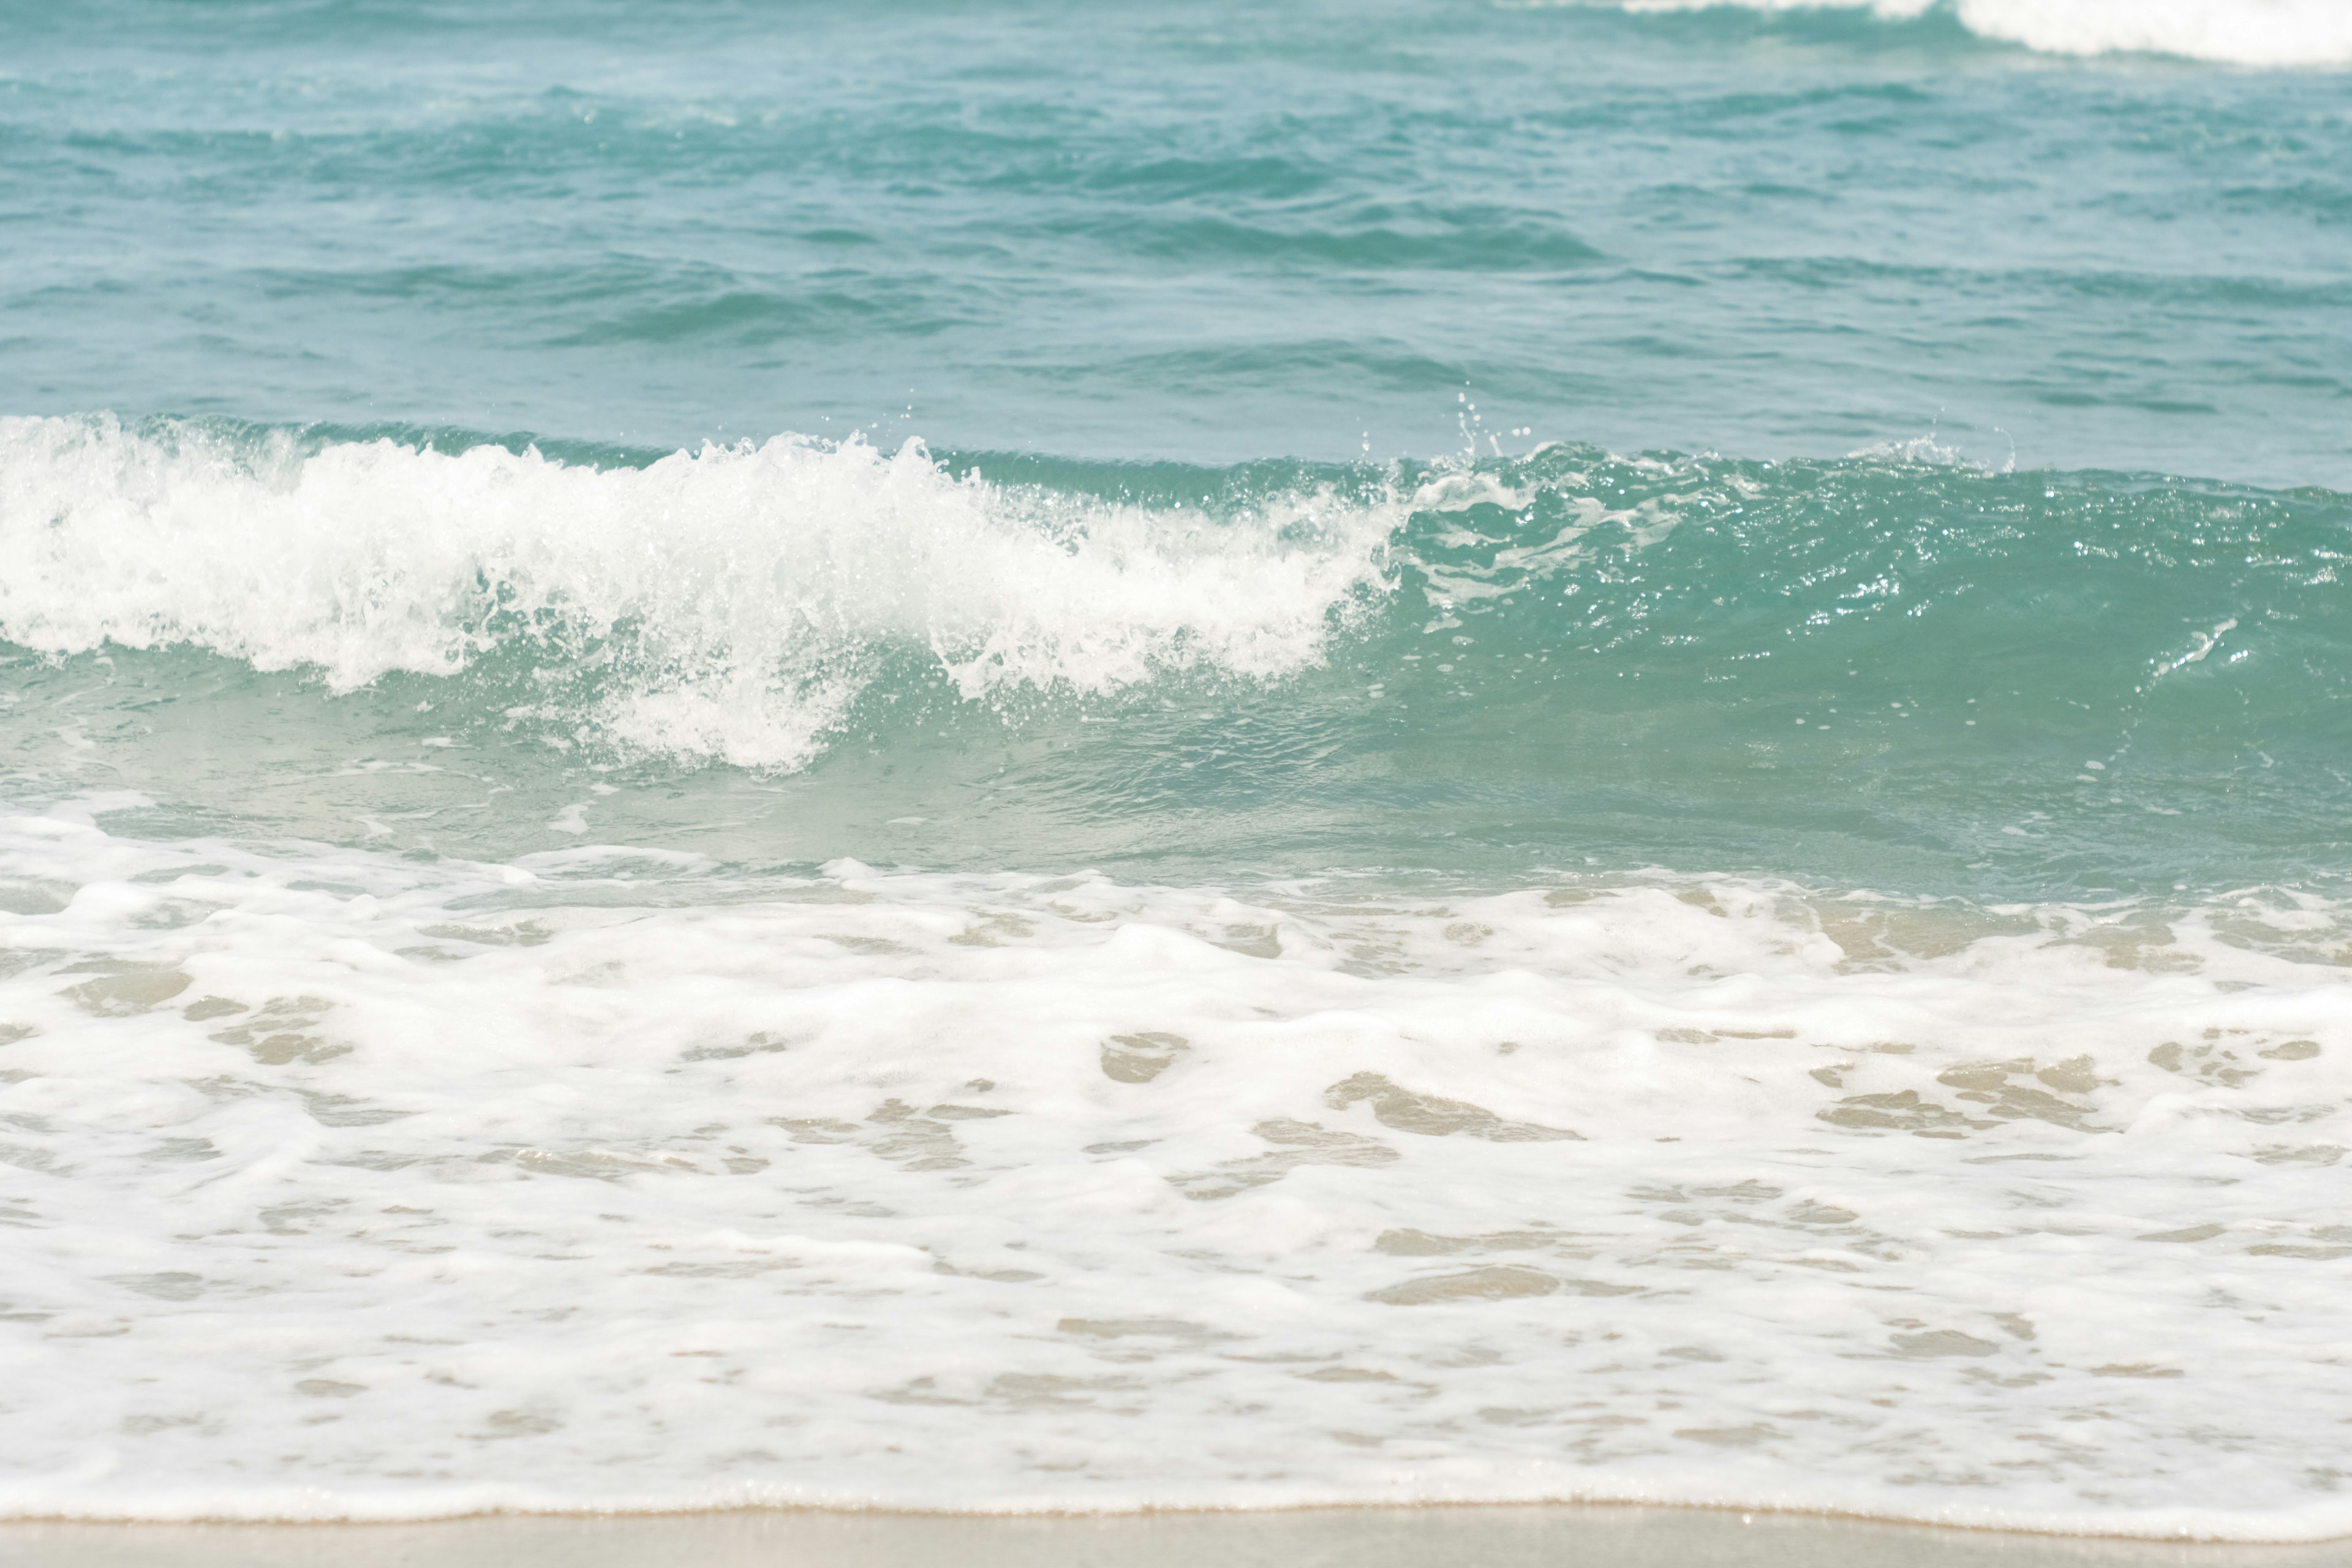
x=1478 y=753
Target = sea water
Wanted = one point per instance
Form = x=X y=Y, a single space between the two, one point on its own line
x=1079 y=758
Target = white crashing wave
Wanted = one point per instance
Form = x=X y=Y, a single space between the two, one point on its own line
x=747 y=586
x=2236 y=32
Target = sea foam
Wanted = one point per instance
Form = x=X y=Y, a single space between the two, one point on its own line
x=342 y=1185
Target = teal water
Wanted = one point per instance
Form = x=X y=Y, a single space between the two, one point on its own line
x=1206 y=258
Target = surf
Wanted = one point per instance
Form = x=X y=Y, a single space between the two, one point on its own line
x=1892 y=669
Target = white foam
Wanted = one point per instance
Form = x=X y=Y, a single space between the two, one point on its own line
x=741 y=595
x=2236 y=32
x=339 y=1186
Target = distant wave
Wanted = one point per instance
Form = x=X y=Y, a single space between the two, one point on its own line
x=2234 y=32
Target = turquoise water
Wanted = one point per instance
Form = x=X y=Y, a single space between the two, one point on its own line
x=2086 y=321
x=1055 y=757
x=1207 y=233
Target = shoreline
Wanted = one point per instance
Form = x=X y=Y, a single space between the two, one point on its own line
x=2053 y=1524
x=1113 y=1514
x=1355 y=1535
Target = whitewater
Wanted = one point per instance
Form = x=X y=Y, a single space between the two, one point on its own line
x=775 y=1191
x=1052 y=763
x=2260 y=33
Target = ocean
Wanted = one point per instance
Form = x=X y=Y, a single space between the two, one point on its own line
x=1047 y=757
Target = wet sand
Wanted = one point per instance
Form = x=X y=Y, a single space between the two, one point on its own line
x=1325 y=1538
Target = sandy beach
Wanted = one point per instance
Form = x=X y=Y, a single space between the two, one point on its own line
x=1311 y=1538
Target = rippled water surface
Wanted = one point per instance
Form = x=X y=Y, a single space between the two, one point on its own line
x=1209 y=232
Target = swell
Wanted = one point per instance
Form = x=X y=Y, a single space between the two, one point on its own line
x=1886 y=668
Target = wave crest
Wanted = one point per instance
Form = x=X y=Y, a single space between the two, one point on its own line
x=2232 y=32
x=743 y=595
